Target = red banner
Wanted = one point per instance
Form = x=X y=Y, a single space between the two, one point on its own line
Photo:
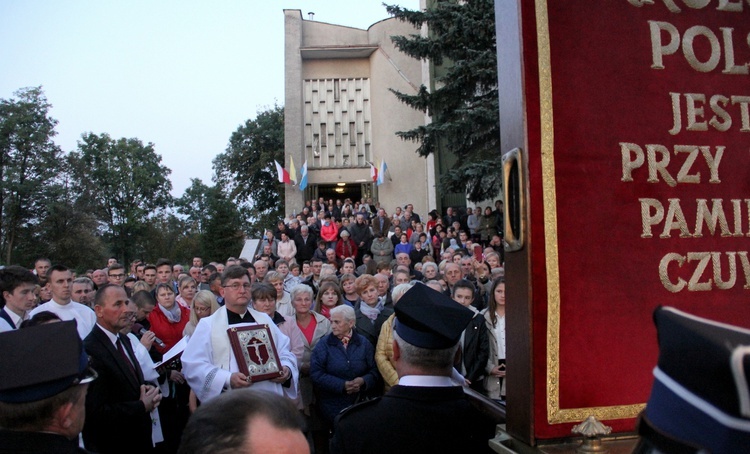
x=640 y=189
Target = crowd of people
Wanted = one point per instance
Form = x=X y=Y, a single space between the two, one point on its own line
x=328 y=282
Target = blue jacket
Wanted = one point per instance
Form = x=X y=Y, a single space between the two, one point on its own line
x=332 y=365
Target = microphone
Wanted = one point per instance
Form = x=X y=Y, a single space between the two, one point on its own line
x=141 y=331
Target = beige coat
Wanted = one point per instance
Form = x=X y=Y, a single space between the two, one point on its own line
x=305 y=382
x=384 y=354
x=491 y=383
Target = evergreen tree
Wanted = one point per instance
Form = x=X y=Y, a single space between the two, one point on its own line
x=464 y=103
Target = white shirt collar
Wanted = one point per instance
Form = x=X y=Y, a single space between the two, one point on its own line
x=431 y=381
x=112 y=336
x=15 y=317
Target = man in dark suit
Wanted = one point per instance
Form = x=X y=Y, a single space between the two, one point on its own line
x=306 y=243
x=427 y=411
x=381 y=224
x=119 y=403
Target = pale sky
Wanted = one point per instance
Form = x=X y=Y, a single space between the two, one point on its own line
x=180 y=74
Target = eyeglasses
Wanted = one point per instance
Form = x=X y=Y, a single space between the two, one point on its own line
x=118 y=276
x=236 y=287
x=201 y=309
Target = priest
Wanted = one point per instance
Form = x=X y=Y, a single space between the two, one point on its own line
x=209 y=364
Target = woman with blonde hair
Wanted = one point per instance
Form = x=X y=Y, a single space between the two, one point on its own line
x=283 y=301
x=138 y=286
x=187 y=288
x=204 y=304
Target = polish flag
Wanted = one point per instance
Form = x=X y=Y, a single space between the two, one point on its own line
x=373 y=172
x=283 y=174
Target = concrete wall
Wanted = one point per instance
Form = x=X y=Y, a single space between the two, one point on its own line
x=392 y=69
x=293 y=104
x=386 y=68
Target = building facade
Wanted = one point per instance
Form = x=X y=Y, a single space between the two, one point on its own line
x=340 y=115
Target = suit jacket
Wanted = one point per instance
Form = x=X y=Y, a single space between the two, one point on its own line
x=410 y=419
x=4 y=315
x=376 y=226
x=116 y=419
x=305 y=249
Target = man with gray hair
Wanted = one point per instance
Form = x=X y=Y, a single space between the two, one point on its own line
x=306 y=244
x=261 y=269
x=83 y=291
x=425 y=411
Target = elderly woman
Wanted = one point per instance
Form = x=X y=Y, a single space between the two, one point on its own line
x=343 y=366
x=371 y=312
x=384 y=349
x=283 y=302
x=188 y=288
x=314 y=327
x=204 y=304
x=168 y=319
x=429 y=271
x=346 y=248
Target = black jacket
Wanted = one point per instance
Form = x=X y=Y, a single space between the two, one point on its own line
x=366 y=327
x=15 y=442
x=361 y=234
x=475 y=351
x=305 y=249
x=410 y=419
x=116 y=419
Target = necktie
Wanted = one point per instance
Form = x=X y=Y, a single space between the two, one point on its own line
x=125 y=356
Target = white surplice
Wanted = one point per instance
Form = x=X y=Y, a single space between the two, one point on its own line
x=208 y=360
